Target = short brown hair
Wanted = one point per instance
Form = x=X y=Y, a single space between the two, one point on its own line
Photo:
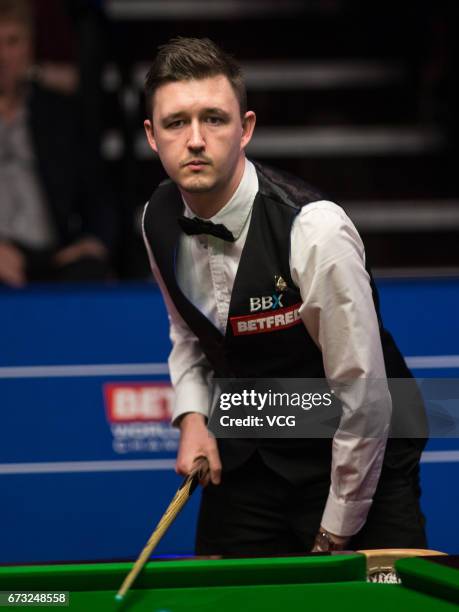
x=183 y=59
x=17 y=10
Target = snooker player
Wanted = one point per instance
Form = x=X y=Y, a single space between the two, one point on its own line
x=224 y=234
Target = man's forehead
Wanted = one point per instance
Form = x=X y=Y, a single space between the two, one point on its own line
x=195 y=94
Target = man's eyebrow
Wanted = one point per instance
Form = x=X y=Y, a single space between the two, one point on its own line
x=212 y=110
x=216 y=111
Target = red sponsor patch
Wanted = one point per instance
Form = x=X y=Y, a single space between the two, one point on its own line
x=125 y=403
x=270 y=321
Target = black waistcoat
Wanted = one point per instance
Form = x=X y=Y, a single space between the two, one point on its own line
x=266 y=343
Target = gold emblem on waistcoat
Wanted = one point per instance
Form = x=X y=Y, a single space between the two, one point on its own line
x=279 y=283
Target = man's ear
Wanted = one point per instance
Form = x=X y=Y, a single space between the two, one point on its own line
x=148 y=125
x=248 y=125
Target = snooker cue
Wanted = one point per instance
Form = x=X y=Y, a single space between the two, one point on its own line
x=183 y=494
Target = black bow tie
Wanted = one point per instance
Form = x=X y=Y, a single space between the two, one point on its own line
x=196 y=226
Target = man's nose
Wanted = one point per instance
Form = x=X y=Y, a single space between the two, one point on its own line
x=196 y=139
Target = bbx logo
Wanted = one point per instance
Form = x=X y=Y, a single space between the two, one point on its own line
x=266 y=302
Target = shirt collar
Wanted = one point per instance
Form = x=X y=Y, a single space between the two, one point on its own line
x=236 y=211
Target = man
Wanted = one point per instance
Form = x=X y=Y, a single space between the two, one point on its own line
x=56 y=222
x=220 y=232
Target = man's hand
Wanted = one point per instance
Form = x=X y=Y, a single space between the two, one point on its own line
x=86 y=247
x=12 y=265
x=326 y=541
x=196 y=441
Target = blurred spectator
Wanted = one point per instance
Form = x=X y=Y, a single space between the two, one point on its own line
x=56 y=219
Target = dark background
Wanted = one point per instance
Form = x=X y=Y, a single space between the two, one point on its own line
x=359 y=98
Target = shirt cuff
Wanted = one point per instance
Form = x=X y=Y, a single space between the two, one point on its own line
x=190 y=396
x=344 y=518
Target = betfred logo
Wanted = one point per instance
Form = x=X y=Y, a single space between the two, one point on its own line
x=266 y=302
x=265 y=322
x=127 y=403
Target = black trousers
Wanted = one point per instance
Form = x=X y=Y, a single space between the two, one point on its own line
x=254 y=511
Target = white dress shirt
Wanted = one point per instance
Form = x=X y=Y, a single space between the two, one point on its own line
x=327 y=263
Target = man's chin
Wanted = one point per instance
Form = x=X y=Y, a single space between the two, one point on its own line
x=197 y=185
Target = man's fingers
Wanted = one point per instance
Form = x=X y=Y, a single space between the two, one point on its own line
x=205 y=481
x=90 y=247
x=186 y=464
x=182 y=467
x=196 y=444
x=11 y=255
x=12 y=259
x=67 y=255
x=215 y=466
x=185 y=467
x=12 y=265
x=13 y=276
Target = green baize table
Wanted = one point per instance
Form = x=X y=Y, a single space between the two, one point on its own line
x=312 y=583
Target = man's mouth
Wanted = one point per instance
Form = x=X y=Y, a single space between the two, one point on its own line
x=196 y=164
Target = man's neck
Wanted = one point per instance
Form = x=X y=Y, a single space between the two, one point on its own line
x=206 y=205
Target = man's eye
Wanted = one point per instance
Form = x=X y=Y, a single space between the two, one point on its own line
x=176 y=124
x=213 y=120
